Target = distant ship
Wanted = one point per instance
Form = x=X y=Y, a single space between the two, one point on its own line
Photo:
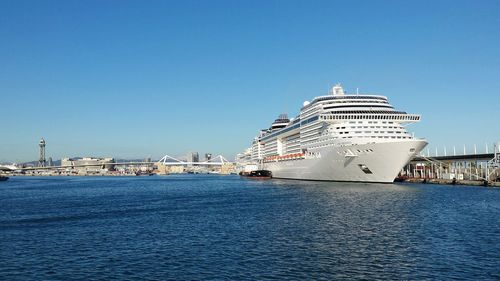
x=3 y=178
x=338 y=137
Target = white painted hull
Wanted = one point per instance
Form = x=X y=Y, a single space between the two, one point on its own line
x=383 y=159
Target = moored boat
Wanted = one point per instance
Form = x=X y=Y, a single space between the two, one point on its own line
x=338 y=137
x=258 y=174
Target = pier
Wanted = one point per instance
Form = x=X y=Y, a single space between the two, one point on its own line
x=472 y=168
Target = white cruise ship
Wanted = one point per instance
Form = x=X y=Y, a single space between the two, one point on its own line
x=339 y=137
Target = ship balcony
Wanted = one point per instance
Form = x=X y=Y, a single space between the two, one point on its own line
x=400 y=118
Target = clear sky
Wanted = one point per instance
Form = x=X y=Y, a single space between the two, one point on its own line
x=136 y=79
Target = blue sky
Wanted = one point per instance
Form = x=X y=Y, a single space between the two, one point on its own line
x=136 y=79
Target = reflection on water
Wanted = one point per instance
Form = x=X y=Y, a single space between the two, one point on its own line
x=215 y=227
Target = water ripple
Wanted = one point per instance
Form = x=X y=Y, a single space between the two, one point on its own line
x=225 y=228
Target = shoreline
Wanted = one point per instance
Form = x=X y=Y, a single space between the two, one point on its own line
x=451 y=182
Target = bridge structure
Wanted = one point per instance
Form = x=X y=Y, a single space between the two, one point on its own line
x=168 y=160
x=472 y=166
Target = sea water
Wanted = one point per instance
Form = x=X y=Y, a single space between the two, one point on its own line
x=211 y=227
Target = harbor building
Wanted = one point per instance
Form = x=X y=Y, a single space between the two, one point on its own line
x=193 y=157
x=88 y=165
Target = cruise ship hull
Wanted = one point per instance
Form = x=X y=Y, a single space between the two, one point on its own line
x=373 y=162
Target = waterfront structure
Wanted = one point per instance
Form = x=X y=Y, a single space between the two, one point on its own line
x=193 y=157
x=468 y=167
x=41 y=160
x=339 y=137
x=169 y=160
x=88 y=165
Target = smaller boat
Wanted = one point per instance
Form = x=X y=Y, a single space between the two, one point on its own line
x=3 y=178
x=258 y=174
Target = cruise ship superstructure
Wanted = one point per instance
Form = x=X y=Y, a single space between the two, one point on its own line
x=339 y=137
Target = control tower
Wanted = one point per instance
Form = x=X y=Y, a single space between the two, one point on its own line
x=41 y=161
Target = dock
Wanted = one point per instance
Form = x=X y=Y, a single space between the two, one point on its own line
x=480 y=169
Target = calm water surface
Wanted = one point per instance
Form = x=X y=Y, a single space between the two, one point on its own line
x=207 y=227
